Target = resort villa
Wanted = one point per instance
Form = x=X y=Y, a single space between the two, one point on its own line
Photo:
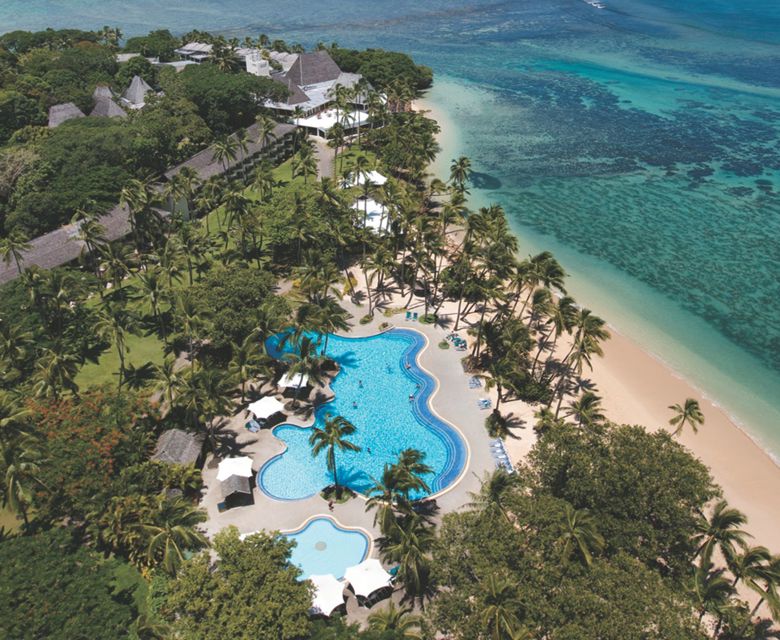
x=105 y=103
x=311 y=80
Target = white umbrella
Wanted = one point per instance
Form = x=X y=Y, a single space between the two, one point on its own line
x=328 y=594
x=234 y=467
x=367 y=577
x=296 y=380
x=265 y=407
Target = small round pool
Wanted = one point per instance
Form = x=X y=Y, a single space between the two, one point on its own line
x=324 y=547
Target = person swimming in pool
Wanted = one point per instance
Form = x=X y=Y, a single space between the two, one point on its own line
x=360 y=384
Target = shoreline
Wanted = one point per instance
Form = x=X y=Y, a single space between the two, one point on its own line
x=637 y=386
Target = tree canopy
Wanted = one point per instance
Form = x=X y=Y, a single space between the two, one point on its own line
x=51 y=587
x=252 y=593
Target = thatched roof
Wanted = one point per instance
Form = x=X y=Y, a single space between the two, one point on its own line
x=295 y=95
x=235 y=484
x=313 y=68
x=107 y=108
x=206 y=166
x=136 y=92
x=102 y=91
x=59 y=113
x=179 y=447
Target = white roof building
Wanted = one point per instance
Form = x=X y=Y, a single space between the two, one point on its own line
x=228 y=467
x=367 y=577
x=374 y=214
x=135 y=96
x=265 y=407
x=328 y=594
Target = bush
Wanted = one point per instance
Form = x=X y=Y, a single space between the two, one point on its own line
x=444 y=345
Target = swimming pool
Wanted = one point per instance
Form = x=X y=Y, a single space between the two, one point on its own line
x=324 y=547
x=377 y=377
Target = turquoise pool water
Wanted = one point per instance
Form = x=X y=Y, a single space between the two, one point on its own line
x=323 y=547
x=372 y=390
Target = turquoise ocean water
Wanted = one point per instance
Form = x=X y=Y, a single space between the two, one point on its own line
x=639 y=141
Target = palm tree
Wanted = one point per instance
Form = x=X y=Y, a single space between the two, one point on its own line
x=171 y=531
x=711 y=590
x=305 y=360
x=460 y=171
x=586 y=410
x=722 y=529
x=408 y=544
x=499 y=615
x=13 y=247
x=114 y=323
x=410 y=471
x=225 y=151
x=689 y=413
x=331 y=437
x=140 y=196
x=400 y=621
x=167 y=379
x=385 y=496
x=55 y=371
x=20 y=460
x=579 y=534
x=304 y=163
x=154 y=291
x=493 y=490
x=247 y=361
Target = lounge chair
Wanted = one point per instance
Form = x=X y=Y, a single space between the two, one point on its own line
x=484 y=403
x=408 y=315
x=474 y=383
x=252 y=426
x=414 y=317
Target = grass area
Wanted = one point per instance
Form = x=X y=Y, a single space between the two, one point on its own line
x=142 y=349
x=8 y=519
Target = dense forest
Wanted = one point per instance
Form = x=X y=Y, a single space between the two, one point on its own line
x=605 y=531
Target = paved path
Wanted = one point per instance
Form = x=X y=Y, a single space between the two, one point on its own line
x=324 y=157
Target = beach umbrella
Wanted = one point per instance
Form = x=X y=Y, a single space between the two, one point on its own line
x=328 y=594
x=367 y=577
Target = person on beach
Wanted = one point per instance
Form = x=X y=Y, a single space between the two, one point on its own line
x=330 y=505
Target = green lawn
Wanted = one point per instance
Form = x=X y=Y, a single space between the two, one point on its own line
x=8 y=519
x=142 y=349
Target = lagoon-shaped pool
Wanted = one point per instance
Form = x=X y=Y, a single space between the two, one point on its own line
x=377 y=376
x=322 y=547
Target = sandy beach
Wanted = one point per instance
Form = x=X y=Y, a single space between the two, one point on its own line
x=637 y=388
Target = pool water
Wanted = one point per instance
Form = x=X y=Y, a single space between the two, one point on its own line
x=377 y=377
x=323 y=547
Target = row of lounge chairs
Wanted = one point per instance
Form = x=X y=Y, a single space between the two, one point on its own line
x=500 y=455
x=411 y=316
x=459 y=343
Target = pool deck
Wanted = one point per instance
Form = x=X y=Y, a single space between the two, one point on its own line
x=453 y=401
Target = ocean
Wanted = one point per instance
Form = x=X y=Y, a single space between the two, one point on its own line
x=639 y=140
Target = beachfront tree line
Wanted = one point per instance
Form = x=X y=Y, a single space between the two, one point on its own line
x=601 y=535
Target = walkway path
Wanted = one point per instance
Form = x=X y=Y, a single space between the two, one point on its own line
x=325 y=156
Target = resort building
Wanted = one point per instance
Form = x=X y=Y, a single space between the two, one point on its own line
x=312 y=83
x=104 y=104
x=60 y=113
x=176 y=446
x=135 y=95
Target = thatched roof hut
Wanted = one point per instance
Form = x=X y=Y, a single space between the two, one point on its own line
x=179 y=447
x=59 y=113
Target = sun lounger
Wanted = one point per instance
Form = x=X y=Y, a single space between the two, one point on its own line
x=408 y=315
x=252 y=426
x=414 y=317
x=484 y=403
x=474 y=383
